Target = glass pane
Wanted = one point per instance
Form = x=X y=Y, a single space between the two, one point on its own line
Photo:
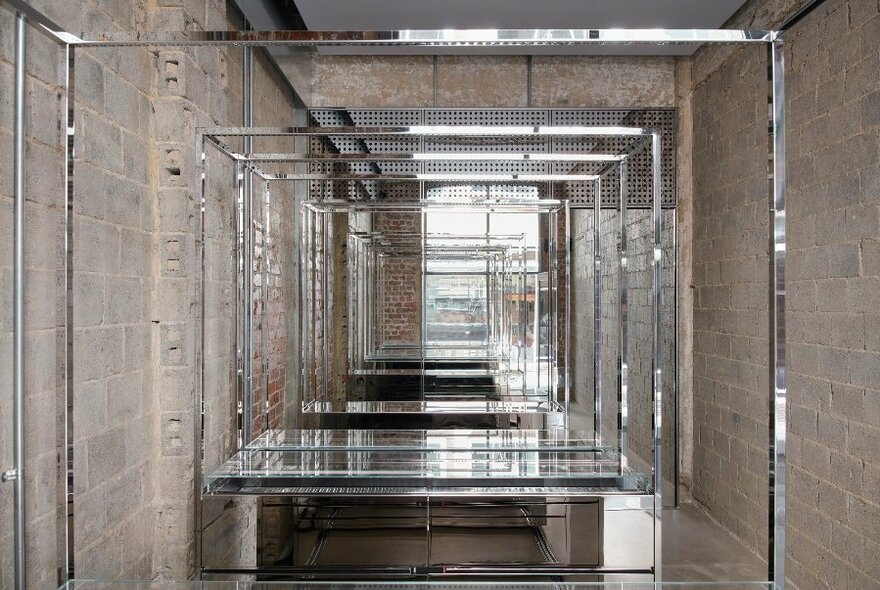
x=456 y=307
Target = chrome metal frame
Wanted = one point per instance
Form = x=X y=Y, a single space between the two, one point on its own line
x=246 y=344
x=450 y=38
x=597 y=306
x=67 y=475
x=622 y=323
x=18 y=392
x=199 y=427
x=657 y=353
x=778 y=388
x=651 y=141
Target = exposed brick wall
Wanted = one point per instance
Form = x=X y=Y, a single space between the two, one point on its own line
x=230 y=527
x=400 y=283
x=274 y=253
x=833 y=282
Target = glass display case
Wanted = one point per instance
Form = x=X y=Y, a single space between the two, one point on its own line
x=433 y=309
x=437 y=321
x=255 y=433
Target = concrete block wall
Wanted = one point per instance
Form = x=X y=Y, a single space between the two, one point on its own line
x=581 y=338
x=609 y=281
x=134 y=286
x=639 y=323
x=44 y=308
x=833 y=357
x=640 y=290
x=556 y=81
x=730 y=297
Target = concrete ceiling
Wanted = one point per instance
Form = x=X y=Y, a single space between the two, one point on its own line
x=371 y=15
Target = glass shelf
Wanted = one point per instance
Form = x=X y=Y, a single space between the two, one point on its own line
x=518 y=405
x=453 y=373
x=427 y=460
x=446 y=353
x=420 y=440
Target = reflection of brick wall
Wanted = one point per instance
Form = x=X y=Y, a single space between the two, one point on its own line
x=400 y=284
x=274 y=322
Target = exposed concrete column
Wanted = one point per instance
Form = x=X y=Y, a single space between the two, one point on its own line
x=684 y=241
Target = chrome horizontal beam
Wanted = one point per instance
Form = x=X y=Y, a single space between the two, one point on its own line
x=41 y=22
x=428 y=157
x=436 y=131
x=439 y=38
x=438 y=177
x=506 y=206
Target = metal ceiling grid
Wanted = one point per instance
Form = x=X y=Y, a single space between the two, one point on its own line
x=578 y=193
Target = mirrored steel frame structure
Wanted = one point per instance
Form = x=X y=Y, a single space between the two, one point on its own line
x=69 y=43
x=562 y=474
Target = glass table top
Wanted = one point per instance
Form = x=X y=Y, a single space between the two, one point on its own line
x=508 y=405
x=436 y=354
x=510 y=439
x=455 y=373
x=432 y=460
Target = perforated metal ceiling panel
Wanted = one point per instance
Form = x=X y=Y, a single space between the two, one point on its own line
x=578 y=193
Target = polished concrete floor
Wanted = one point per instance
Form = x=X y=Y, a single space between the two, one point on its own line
x=695 y=548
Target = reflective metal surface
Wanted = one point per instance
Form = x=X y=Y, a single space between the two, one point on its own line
x=406 y=585
x=18 y=382
x=622 y=322
x=421 y=468
x=66 y=508
x=468 y=38
x=597 y=306
x=421 y=439
x=657 y=362
x=437 y=131
x=377 y=387
x=778 y=388
x=427 y=156
x=430 y=38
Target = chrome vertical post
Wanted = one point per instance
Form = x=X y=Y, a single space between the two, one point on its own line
x=18 y=390
x=248 y=254
x=66 y=508
x=199 y=389
x=264 y=307
x=553 y=307
x=303 y=228
x=567 y=360
x=623 y=336
x=325 y=306
x=423 y=295
x=778 y=392
x=240 y=289
x=597 y=309
x=676 y=391
x=657 y=354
